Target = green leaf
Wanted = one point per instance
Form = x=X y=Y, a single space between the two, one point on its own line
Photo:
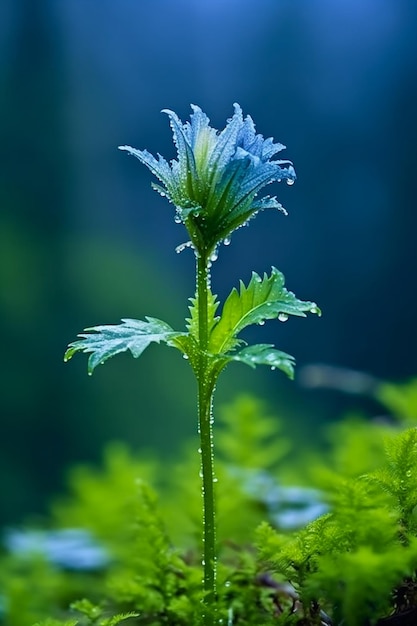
x=264 y=354
x=96 y=614
x=263 y=298
x=117 y=619
x=192 y=322
x=133 y=335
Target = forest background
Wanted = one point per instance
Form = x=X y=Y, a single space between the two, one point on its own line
x=85 y=240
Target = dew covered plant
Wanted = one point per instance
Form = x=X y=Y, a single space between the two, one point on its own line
x=213 y=184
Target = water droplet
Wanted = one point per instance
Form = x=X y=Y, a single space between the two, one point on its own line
x=409 y=473
x=215 y=480
x=290 y=181
x=314 y=308
x=90 y=373
x=199 y=451
x=273 y=368
x=177 y=219
x=183 y=246
x=227 y=241
x=227 y=583
x=185 y=356
x=214 y=255
x=261 y=322
x=282 y=317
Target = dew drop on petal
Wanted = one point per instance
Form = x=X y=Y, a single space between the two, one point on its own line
x=282 y=317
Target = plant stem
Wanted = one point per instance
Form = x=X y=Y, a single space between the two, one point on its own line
x=205 y=397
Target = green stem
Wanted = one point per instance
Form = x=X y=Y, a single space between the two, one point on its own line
x=205 y=397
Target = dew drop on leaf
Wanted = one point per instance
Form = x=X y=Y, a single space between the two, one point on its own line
x=214 y=255
x=177 y=219
x=282 y=317
x=227 y=241
x=290 y=181
x=261 y=322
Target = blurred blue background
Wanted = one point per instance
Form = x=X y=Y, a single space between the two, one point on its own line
x=84 y=239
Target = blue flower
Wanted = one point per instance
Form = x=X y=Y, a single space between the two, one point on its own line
x=69 y=548
x=215 y=180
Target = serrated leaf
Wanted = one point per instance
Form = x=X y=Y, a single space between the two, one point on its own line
x=192 y=322
x=117 y=619
x=263 y=298
x=106 y=341
x=265 y=354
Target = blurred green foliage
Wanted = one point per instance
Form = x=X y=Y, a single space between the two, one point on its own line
x=354 y=564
